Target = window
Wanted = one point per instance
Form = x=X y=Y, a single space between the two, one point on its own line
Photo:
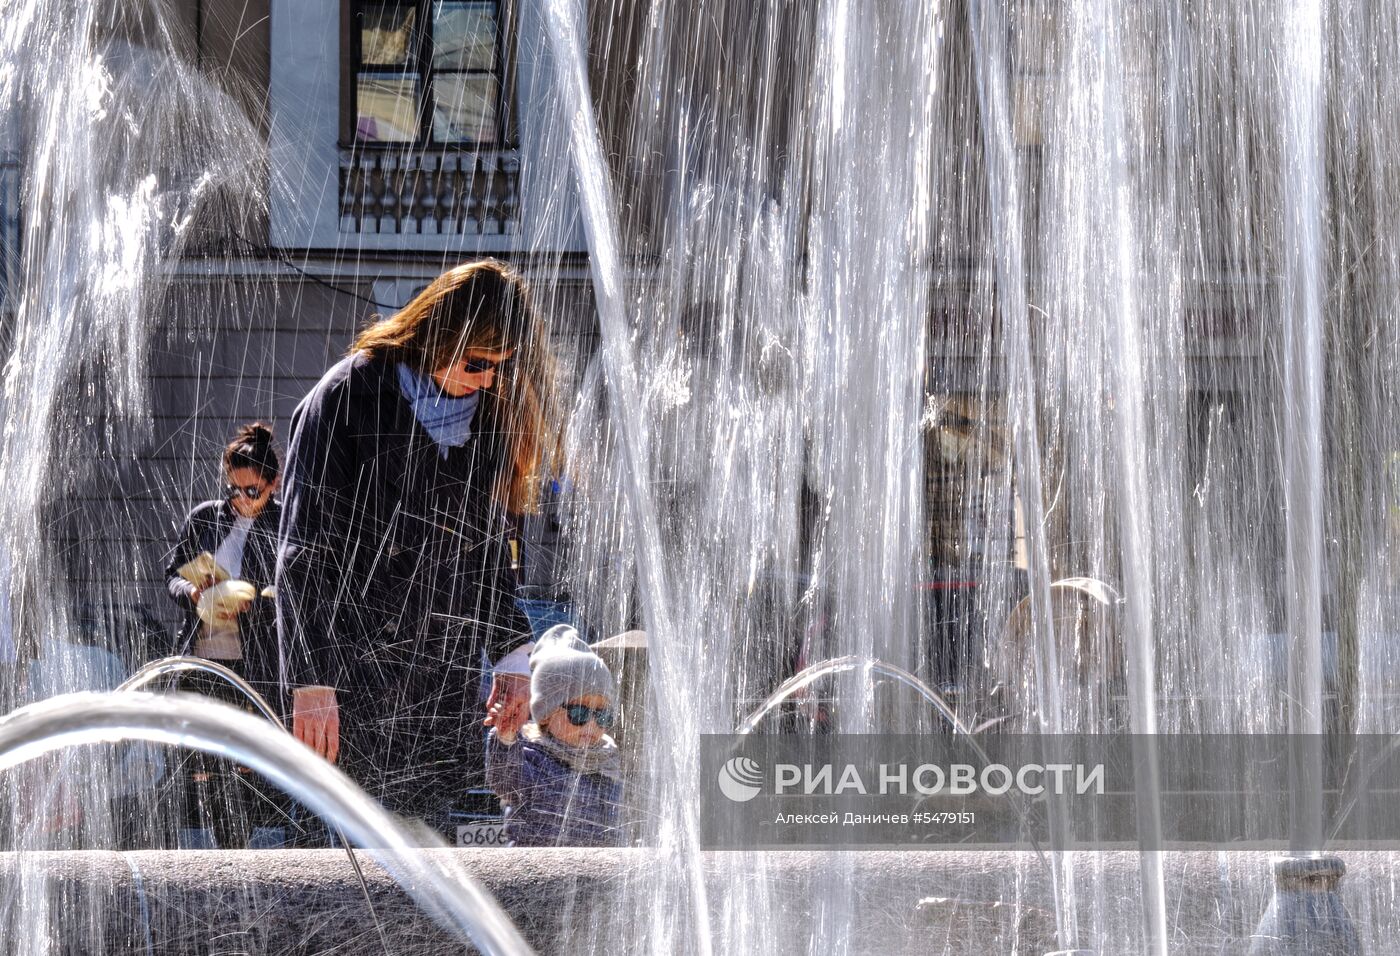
x=427 y=72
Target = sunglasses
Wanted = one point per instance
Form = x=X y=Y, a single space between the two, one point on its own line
x=579 y=715
x=251 y=492
x=475 y=366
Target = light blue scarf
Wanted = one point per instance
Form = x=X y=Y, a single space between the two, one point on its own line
x=447 y=420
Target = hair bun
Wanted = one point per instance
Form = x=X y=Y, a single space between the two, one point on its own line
x=256 y=433
x=252 y=448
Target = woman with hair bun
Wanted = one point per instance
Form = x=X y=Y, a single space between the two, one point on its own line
x=221 y=573
x=239 y=533
x=406 y=466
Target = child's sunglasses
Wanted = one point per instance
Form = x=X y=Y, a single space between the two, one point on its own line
x=579 y=715
x=251 y=492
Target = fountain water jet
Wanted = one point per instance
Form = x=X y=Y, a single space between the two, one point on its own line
x=188 y=720
x=168 y=666
x=989 y=34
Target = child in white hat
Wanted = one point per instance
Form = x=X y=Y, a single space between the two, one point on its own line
x=558 y=773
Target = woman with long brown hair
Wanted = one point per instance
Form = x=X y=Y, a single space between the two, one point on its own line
x=395 y=590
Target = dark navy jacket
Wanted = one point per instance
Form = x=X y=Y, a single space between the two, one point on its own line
x=205 y=527
x=547 y=802
x=394 y=575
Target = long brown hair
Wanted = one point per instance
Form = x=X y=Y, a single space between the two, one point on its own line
x=485 y=305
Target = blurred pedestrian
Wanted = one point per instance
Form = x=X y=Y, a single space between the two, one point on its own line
x=221 y=573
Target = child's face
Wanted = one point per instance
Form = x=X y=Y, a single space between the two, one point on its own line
x=562 y=729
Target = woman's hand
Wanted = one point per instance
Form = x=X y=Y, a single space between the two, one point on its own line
x=197 y=588
x=316 y=720
x=508 y=707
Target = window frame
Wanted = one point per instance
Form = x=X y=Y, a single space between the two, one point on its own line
x=420 y=68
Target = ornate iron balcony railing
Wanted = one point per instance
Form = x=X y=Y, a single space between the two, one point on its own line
x=403 y=193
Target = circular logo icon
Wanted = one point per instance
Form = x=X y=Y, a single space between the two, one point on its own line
x=740 y=779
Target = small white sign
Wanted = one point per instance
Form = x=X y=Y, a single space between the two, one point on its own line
x=481 y=834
